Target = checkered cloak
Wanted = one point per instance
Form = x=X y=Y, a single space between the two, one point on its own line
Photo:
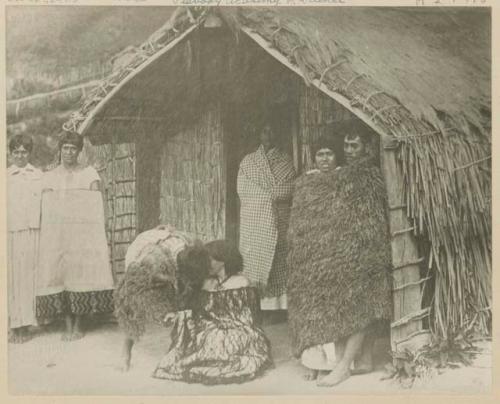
x=265 y=187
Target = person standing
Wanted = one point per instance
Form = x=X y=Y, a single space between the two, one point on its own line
x=75 y=277
x=23 y=223
x=339 y=287
x=265 y=187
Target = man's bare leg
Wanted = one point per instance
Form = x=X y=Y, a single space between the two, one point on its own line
x=68 y=332
x=128 y=343
x=364 y=364
x=77 y=328
x=342 y=370
x=340 y=349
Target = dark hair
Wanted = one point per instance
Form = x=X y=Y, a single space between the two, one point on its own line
x=71 y=138
x=193 y=263
x=357 y=128
x=221 y=250
x=271 y=119
x=324 y=142
x=21 y=140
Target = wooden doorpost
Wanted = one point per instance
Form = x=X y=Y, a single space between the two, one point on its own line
x=406 y=328
x=296 y=146
x=113 y=205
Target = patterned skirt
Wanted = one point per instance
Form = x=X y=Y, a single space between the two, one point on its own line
x=74 y=275
x=78 y=303
x=220 y=344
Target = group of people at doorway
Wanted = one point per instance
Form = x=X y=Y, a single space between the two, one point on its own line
x=58 y=261
x=316 y=246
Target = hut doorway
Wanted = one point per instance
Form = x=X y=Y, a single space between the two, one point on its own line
x=258 y=90
x=242 y=125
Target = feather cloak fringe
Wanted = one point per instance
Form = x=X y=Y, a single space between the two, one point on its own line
x=339 y=255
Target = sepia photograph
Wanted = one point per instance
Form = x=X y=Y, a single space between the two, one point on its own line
x=210 y=200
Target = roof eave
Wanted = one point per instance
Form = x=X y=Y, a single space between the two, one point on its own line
x=90 y=118
x=342 y=100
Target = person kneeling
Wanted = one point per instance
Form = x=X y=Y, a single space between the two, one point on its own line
x=219 y=341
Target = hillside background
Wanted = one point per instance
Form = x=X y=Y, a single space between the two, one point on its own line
x=52 y=47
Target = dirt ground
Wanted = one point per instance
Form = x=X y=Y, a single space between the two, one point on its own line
x=48 y=366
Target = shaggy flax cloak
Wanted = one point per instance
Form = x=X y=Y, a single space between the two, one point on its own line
x=139 y=298
x=339 y=255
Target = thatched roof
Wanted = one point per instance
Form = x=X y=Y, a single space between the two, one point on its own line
x=422 y=76
x=444 y=65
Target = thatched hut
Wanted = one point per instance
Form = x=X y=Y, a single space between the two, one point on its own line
x=173 y=121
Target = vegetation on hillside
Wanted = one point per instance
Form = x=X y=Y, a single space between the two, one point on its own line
x=48 y=48
x=52 y=47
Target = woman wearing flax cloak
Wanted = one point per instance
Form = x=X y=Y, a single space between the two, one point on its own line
x=265 y=187
x=339 y=288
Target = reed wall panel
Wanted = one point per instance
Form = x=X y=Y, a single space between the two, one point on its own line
x=193 y=178
x=118 y=187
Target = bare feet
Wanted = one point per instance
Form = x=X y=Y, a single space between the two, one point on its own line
x=19 y=336
x=72 y=335
x=310 y=375
x=364 y=363
x=336 y=376
x=77 y=335
x=362 y=369
x=125 y=367
x=322 y=374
